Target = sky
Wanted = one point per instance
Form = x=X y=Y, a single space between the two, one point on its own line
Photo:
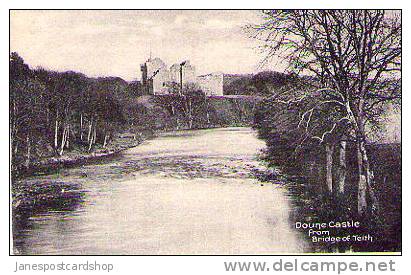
x=115 y=43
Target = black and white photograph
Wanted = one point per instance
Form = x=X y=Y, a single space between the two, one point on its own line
x=205 y=132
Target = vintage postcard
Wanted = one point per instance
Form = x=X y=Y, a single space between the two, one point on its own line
x=205 y=132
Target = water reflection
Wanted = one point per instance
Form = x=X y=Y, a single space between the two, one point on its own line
x=190 y=193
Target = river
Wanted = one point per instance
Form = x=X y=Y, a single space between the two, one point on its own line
x=188 y=192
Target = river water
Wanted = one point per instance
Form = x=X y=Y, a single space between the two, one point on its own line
x=188 y=192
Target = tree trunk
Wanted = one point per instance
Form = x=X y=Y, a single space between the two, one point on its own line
x=28 y=152
x=63 y=141
x=188 y=111
x=56 y=132
x=362 y=181
x=374 y=199
x=95 y=134
x=90 y=128
x=105 y=140
x=207 y=109
x=366 y=181
x=240 y=110
x=190 y=123
x=90 y=139
x=342 y=171
x=174 y=113
x=363 y=164
x=68 y=137
x=329 y=166
x=81 y=127
x=190 y=114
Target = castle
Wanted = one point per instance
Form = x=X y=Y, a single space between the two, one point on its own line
x=156 y=77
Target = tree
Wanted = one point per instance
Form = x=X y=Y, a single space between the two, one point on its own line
x=52 y=112
x=192 y=102
x=189 y=101
x=65 y=104
x=354 y=56
x=27 y=114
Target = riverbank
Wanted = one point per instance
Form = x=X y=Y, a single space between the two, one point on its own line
x=79 y=155
x=40 y=196
x=305 y=184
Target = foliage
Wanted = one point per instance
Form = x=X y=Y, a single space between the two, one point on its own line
x=49 y=111
x=260 y=84
x=56 y=113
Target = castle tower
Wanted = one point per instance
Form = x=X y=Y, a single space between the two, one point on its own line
x=183 y=73
x=155 y=76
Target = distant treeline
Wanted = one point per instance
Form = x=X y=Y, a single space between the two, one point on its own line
x=52 y=113
x=259 y=84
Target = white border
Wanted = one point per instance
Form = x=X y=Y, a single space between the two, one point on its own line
x=188 y=264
